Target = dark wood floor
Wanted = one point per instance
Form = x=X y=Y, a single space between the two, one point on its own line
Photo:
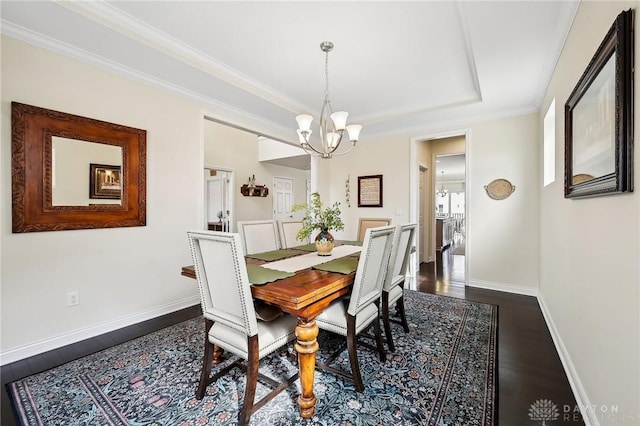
x=529 y=368
x=528 y=365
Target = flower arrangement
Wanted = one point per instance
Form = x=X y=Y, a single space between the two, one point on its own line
x=316 y=217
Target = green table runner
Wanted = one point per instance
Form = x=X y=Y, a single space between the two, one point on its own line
x=343 y=265
x=259 y=275
x=306 y=247
x=352 y=243
x=270 y=256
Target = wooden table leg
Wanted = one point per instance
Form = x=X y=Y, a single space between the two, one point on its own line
x=217 y=355
x=217 y=351
x=307 y=345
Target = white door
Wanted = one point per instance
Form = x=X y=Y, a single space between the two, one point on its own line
x=282 y=198
x=422 y=185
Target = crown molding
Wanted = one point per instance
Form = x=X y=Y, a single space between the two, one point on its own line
x=229 y=112
x=111 y=17
x=458 y=120
x=571 y=10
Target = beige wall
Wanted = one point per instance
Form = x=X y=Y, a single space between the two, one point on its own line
x=590 y=280
x=227 y=147
x=388 y=157
x=123 y=275
x=503 y=236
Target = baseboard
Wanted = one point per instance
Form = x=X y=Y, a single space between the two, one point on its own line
x=26 y=351
x=574 y=380
x=508 y=288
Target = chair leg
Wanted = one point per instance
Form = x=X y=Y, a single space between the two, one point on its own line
x=386 y=321
x=403 y=316
x=352 y=343
x=376 y=327
x=206 y=361
x=252 y=381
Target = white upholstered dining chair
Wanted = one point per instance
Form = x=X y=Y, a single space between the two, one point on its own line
x=393 y=288
x=230 y=317
x=288 y=232
x=258 y=236
x=365 y=223
x=362 y=310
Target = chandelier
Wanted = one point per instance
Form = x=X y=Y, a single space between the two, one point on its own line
x=442 y=192
x=332 y=124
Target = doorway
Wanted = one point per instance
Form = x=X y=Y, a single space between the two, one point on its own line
x=218 y=203
x=449 y=201
x=422 y=203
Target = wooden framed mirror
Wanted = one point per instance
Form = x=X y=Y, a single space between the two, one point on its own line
x=73 y=172
x=599 y=119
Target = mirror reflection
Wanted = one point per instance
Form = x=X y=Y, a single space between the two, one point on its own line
x=594 y=119
x=85 y=173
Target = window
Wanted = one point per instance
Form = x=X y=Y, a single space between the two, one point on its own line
x=457 y=202
x=452 y=203
x=442 y=205
x=550 y=144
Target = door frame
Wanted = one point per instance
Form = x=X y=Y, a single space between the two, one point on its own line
x=414 y=164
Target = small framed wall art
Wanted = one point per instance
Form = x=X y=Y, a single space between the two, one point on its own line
x=370 y=191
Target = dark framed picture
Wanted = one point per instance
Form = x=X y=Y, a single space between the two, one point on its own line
x=599 y=119
x=105 y=181
x=370 y=191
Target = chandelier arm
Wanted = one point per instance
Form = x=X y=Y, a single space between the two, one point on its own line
x=308 y=147
x=336 y=154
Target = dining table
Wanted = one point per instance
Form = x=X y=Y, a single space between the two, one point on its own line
x=305 y=294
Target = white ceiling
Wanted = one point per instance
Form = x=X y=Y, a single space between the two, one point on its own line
x=396 y=66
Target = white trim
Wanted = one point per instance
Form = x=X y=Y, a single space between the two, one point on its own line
x=508 y=288
x=572 y=375
x=84 y=333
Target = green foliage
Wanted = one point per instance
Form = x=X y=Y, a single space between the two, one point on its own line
x=315 y=217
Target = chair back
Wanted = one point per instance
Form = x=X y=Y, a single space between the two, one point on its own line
x=372 y=268
x=365 y=223
x=258 y=236
x=288 y=232
x=221 y=272
x=400 y=252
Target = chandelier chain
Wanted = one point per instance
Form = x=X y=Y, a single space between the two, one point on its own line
x=326 y=75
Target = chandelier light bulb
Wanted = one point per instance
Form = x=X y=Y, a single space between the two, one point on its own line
x=304 y=122
x=354 y=132
x=340 y=119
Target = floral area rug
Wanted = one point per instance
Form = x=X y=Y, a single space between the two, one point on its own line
x=442 y=373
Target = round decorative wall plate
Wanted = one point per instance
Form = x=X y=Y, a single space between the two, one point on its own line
x=499 y=189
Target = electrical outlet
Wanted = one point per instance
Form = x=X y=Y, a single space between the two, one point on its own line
x=73 y=298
